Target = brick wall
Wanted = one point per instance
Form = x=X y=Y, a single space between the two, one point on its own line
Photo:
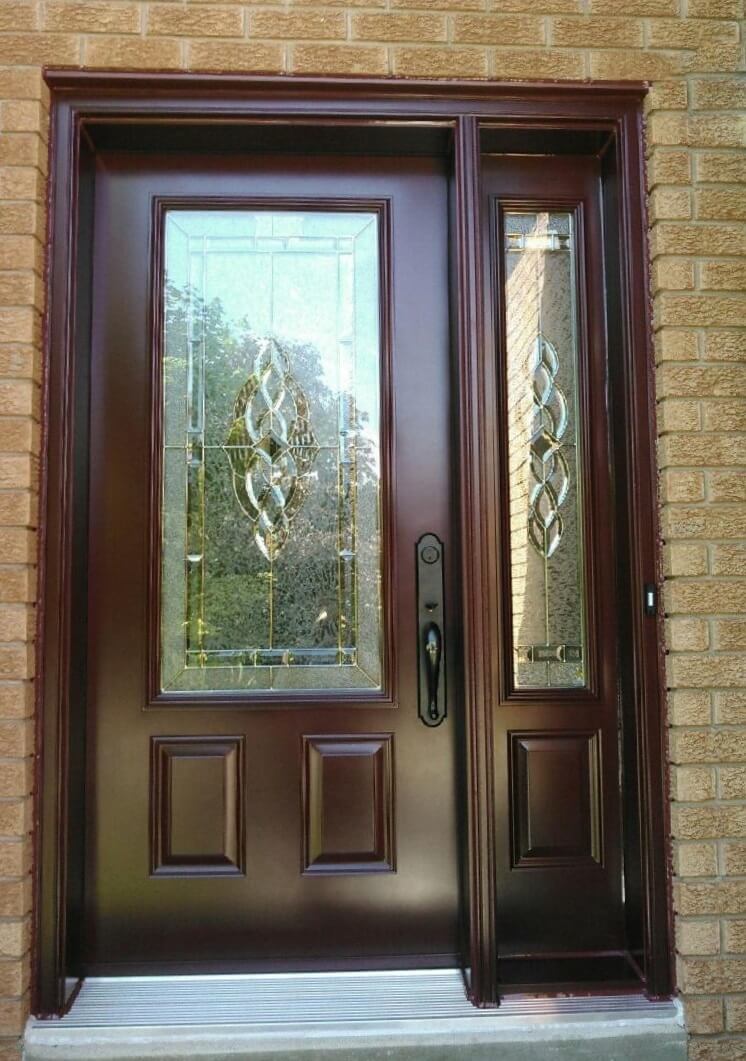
x=691 y=50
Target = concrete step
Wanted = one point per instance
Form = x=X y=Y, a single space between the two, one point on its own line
x=368 y=1016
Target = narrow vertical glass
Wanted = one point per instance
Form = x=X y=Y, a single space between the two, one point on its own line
x=544 y=457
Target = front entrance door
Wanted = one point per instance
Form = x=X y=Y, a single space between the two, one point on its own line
x=269 y=440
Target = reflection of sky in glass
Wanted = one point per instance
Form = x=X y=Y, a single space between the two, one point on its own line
x=293 y=275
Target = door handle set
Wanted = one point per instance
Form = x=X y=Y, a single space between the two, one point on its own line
x=430 y=627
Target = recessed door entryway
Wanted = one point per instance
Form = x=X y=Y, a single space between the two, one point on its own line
x=350 y=653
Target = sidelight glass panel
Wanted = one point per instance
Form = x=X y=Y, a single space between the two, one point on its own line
x=546 y=544
x=271 y=521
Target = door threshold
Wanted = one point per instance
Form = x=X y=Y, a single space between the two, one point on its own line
x=364 y=1016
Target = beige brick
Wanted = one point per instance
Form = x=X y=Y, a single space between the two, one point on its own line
x=705 y=522
x=217 y=55
x=39 y=49
x=701 y=380
x=714 y=8
x=708 y=746
x=21 y=252
x=671 y=237
x=732 y=782
x=725 y=345
x=527 y=63
x=693 y=784
x=14 y=858
x=670 y=204
x=15 y=738
x=730 y=708
x=724 y=415
x=17 y=509
x=646 y=8
x=16 y=701
x=450 y=5
x=17 y=545
x=734 y=858
x=11 y=977
x=23 y=149
x=673 y=274
x=735 y=934
x=729 y=559
x=13 y=1016
x=22 y=83
x=690 y=707
x=722 y=897
x=195 y=20
x=697 y=130
x=700 y=310
x=440 y=62
x=735 y=1014
x=716 y=204
x=398 y=27
x=667 y=95
x=705 y=671
x=16 y=777
x=684 y=33
x=310 y=25
x=339 y=59
x=16 y=585
x=92 y=17
x=13 y=817
x=727 y=486
x=723 y=275
x=621 y=64
x=710 y=975
x=722 y=94
x=596 y=32
x=721 y=167
x=23 y=116
x=17 y=16
x=14 y=939
x=676 y=344
x=133 y=53
x=683 y=486
x=698 y=937
x=681 y=558
x=19 y=289
x=720 y=449
x=688 y=635
x=669 y=167
x=16 y=623
x=704 y=1016
x=730 y=634
x=497 y=29
x=679 y=415
x=696 y=860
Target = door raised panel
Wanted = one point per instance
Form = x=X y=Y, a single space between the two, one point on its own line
x=197 y=817
x=555 y=798
x=348 y=790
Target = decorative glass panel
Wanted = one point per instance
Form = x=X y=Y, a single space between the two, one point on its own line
x=546 y=546
x=271 y=553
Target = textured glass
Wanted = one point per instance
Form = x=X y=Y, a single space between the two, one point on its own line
x=546 y=547
x=271 y=553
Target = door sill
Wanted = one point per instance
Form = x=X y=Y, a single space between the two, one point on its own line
x=362 y=1016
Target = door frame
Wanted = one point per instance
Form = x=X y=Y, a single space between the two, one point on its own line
x=89 y=105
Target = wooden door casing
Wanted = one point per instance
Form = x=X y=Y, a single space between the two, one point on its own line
x=92 y=112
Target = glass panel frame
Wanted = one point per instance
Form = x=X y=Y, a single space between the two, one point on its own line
x=286 y=686
x=587 y=688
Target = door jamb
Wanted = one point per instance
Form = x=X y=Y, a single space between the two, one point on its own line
x=82 y=101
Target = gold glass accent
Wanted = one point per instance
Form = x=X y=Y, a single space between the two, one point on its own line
x=546 y=544
x=271 y=552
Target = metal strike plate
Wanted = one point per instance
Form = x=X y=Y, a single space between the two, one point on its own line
x=431 y=627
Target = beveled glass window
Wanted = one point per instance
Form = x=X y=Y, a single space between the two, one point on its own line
x=546 y=541
x=271 y=526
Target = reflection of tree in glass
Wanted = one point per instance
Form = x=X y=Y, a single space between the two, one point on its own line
x=241 y=611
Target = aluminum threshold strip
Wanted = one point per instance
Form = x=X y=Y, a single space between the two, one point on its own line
x=266 y=1002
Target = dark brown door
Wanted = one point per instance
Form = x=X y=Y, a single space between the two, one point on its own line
x=269 y=440
x=556 y=726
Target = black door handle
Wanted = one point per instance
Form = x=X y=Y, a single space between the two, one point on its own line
x=433 y=644
x=431 y=654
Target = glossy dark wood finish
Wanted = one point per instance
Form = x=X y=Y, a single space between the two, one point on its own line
x=91 y=110
x=206 y=901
